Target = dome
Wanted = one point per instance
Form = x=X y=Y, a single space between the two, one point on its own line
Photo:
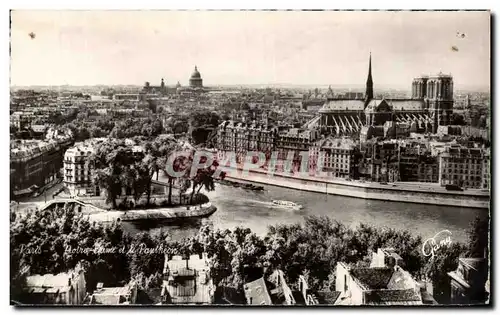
x=195 y=74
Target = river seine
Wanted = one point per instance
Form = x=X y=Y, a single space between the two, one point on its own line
x=253 y=209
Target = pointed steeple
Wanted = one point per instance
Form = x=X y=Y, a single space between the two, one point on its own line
x=369 y=81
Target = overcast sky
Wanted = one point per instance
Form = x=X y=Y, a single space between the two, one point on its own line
x=247 y=47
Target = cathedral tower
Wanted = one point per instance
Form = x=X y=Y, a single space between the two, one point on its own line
x=369 y=83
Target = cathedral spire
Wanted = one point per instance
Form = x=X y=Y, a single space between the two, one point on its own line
x=369 y=81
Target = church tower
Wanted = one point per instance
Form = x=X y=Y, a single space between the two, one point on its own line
x=369 y=83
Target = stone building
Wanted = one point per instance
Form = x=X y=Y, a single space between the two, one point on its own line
x=35 y=163
x=385 y=282
x=335 y=155
x=195 y=81
x=65 y=288
x=463 y=167
x=187 y=281
x=430 y=106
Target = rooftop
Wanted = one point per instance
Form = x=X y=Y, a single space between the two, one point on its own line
x=373 y=278
x=110 y=296
x=393 y=297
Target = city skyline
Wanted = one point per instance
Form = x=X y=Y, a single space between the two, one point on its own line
x=263 y=47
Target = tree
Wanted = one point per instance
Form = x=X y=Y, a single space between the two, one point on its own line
x=203 y=178
x=113 y=163
x=58 y=240
x=478 y=235
x=437 y=268
x=157 y=153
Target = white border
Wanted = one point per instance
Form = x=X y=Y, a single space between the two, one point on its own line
x=198 y=4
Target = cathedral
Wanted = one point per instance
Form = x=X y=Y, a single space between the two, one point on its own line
x=430 y=106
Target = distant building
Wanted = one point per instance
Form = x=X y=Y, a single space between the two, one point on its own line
x=125 y=295
x=463 y=167
x=239 y=138
x=430 y=106
x=64 y=288
x=416 y=164
x=486 y=170
x=34 y=163
x=187 y=281
x=381 y=161
x=195 y=81
x=161 y=89
x=129 y=97
x=335 y=155
x=22 y=120
x=468 y=281
x=77 y=171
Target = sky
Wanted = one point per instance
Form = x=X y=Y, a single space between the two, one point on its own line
x=248 y=47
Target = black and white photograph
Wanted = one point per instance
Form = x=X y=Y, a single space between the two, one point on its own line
x=296 y=158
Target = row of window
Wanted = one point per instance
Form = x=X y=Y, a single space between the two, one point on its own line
x=478 y=178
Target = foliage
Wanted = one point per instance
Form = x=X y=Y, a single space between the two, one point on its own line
x=48 y=242
x=236 y=256
x=437 y=268
x=479 y=237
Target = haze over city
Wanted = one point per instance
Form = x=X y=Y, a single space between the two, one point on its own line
x=248 y=47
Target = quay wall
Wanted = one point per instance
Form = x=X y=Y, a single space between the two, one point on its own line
x=375 y=191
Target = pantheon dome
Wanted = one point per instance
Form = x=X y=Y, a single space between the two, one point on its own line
x=196 y=81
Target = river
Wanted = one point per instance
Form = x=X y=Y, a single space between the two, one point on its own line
x=252 y=209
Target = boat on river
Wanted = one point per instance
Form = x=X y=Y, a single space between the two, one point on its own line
x=241 y=185
x=170 y=214
x=287 y=204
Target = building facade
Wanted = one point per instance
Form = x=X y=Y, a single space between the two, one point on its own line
x=187 y=281
x=430 y=106
x=65 y=288
x=35 y=163
x=463 y=167
x=385 y=282
x=78 y=172
x=335 y=156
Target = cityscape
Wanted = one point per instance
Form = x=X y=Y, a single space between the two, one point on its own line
x=197 y=183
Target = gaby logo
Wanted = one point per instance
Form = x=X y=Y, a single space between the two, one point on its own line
x=432 y=245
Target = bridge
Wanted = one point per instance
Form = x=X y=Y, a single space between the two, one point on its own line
x=64 y=201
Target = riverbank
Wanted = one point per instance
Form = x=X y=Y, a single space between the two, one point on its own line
x=400 y=192
x=163 y=214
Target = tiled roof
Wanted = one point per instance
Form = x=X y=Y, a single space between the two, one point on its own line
x=110 y=296
x=407 y=105
x=59 y=281
x=346 y=105
x=373 y=278
x=188 y=285
x=327 y=297
x=392 y=297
